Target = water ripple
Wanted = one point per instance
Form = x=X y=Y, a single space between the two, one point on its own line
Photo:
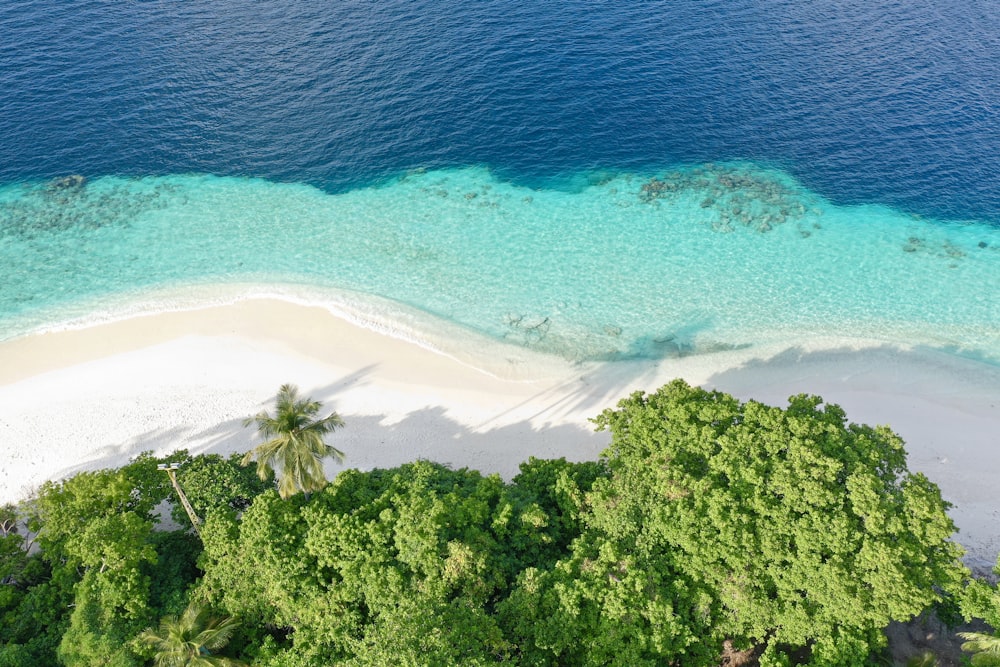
x=891 y=103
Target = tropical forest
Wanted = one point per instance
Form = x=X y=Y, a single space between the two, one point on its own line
x=710 y=532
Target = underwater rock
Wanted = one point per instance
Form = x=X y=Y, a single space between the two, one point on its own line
x=527 y=331
x=757 y=200
x=526 y=322
x=540 y=326
x=600 y=178
x=413 y=173
x=72 y=182
x=952 y=250
x=68 y=203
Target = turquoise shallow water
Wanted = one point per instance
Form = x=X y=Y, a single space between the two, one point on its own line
x=604 y=266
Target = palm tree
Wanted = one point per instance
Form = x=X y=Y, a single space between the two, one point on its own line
x=189 y=640
x=295 y=449
x=986 y=648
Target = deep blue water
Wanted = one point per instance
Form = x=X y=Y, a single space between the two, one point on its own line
x=896 y=103
x=597 y=180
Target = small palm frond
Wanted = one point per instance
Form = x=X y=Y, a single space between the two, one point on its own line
x=217 y=633
x=925 y=659
x=188 y=641
x=984 y=647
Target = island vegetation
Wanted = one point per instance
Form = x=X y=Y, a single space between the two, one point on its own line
x=709 y=530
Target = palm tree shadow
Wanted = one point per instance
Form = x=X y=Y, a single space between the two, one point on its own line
x=224 y=438
x=371 y=441
x=585 y=393
x=430 y=434
x=329 y=393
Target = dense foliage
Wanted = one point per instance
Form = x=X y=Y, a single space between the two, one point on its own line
x=805 y=531
x=706 y=521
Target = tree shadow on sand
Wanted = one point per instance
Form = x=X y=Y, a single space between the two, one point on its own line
x=887 y=369
x=378 y=440
x=560 y=427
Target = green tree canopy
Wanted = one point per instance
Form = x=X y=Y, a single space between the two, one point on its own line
x=604 y=605
x=95 y=531
x=295 y=448
x=981 y=600
x=33 y=609
x=212 y=484
x=809 y=531
x=97 y=536
x=407 y=562
x=65 y=509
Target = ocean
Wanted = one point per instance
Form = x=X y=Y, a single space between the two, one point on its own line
x=597 y=181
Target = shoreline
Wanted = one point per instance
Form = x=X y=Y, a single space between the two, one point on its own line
x=93 y=397
x=370 y=312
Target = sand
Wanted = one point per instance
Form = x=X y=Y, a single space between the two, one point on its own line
x=94 y=397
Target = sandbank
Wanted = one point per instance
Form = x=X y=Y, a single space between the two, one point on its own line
x=94 y=397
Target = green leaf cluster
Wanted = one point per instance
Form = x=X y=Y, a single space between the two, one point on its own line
x=809 y=532
x=215 y=484
x=402 y=562
x=88 y=589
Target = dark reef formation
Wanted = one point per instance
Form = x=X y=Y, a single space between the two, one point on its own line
x=733 y=196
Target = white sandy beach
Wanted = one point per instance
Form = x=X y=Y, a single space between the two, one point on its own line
x=94 y=397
